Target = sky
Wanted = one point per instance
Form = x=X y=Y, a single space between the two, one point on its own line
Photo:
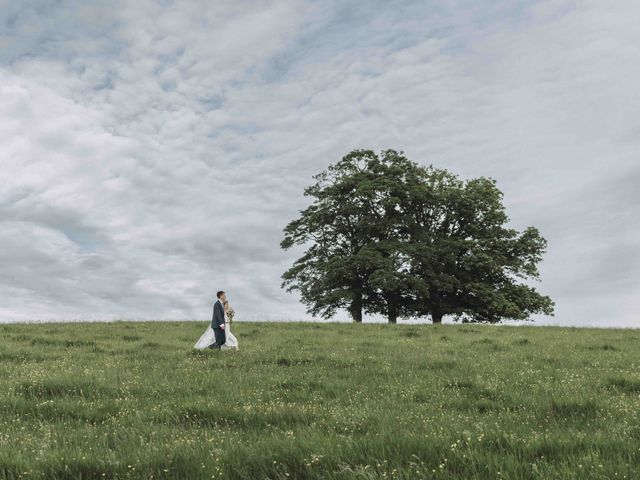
x=151 y=152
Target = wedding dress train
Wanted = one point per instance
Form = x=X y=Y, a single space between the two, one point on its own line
x=208 y=338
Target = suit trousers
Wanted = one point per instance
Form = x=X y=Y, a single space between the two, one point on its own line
x=221 y=337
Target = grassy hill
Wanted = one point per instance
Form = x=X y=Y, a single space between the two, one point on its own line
x=334 y=401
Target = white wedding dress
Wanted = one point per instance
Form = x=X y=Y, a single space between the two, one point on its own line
x=208 y=338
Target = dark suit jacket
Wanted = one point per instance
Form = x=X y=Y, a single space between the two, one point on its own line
x=218 y=315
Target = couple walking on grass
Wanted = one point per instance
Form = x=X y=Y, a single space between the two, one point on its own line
x=218 y=334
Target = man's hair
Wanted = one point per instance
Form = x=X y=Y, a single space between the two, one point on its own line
x=219 y=294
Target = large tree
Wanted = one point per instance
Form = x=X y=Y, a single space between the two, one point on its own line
x=388 y=236
x=352 y=232
x=329 y=275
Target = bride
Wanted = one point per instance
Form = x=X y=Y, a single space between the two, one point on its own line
x=208 y=338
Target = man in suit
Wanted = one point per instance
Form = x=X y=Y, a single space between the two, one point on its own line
x=217 y=322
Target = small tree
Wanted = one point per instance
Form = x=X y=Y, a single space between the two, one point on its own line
x=471 y=261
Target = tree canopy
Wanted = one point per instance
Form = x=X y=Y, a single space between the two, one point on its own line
x=389 y=236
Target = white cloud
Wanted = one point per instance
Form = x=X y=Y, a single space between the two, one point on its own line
x=152 y=154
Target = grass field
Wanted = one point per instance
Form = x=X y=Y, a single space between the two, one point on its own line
x=334 y=401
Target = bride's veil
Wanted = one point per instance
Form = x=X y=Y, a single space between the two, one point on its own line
x=206 y=339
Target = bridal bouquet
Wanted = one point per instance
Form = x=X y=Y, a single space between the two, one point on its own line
x=230 y=313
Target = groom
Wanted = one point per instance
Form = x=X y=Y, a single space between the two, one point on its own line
x=217 y=322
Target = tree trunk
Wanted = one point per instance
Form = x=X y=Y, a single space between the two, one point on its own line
x=392 y=311
x=356 y=310
x=356 y=307
x=436 y=311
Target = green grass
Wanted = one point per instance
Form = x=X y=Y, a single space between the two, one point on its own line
x=306 y=401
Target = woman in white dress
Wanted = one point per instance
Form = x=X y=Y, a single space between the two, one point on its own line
x=208 y=338
x=231 y=342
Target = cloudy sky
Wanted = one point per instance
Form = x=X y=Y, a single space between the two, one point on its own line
x=152 y=151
